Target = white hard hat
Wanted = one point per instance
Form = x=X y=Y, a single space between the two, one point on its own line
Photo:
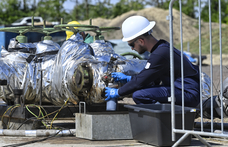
x=135 y=26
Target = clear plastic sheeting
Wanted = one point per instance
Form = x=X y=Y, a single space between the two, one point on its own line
x=40 y=69
x=206 y=86
x=103 y=51
x=4 y=52
x=72 y=52
x=224 y=100
x=130 y=67
x=12 y=68
x=107 y=61
x=75 y=73
x=32 y=87
x=14 y=46
x=13 y=43
x=26 y=45
x=23 y=71
x=47 y=46
x=225 y=88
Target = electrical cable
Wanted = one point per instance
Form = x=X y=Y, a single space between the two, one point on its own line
x=43 y=117
x=10 y=114
x=35 y=115
x=25 y=122
x=13 y=107
x=46 y=114
x=58 y=112
x=38 y=117
x=4 y=114
x=70 y=110
x=33 y=141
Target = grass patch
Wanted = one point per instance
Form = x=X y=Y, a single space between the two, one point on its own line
x=205 y=43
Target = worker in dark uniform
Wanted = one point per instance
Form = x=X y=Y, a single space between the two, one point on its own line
x=152 y=84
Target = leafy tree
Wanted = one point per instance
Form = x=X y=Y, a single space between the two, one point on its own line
x=124 y=6
x=75 y=11
x=215 y=11
x=51 y=10
x=79 y=12
x=10 y=11
x=186 y=5
x=158 y=3
x=101 y=9
x=104 y=9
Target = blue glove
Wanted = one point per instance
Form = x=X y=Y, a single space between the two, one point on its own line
x=118 y=76
x=111 y=93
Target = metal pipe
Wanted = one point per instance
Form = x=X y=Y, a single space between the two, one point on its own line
x=211 y=67
x=202 y=140
x=172 y=69
x=41 y=79
x=182 y=64
x=201 y=133
x=221 y=71
x=206 y=125
x=200 y=63
x=36 y=133
x=181 y=139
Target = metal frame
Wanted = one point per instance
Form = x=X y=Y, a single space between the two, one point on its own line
x=183 y=131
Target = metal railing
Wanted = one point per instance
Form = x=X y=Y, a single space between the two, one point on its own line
x=202 y=131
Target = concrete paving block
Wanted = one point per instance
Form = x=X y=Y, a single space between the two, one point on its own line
x=103 y=126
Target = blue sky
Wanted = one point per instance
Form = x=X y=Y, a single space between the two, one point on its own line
x=69 y=5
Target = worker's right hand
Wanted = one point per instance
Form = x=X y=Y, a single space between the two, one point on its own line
x=120 y=77
x=111 y=93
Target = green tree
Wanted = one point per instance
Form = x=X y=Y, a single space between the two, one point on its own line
x=186 y=5
x=100 y=9
x=215 y=11
x=79 y=12
x=124 y=6
x=10 y=11
x=157 y=3
x=51 y=10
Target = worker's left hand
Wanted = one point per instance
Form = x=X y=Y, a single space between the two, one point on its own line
x=120 y=77
x=111 y=93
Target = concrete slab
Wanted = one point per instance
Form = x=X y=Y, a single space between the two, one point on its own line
x=78 y=142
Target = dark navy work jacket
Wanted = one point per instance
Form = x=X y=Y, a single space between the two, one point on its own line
x=158 y=70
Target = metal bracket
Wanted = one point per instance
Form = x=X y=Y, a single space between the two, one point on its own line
x=169 y=99
x=80 y=107
x=168 y=17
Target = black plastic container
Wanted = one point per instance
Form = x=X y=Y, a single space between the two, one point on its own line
x=151 y=123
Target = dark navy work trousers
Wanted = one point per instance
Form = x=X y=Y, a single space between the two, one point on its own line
x=160 y=94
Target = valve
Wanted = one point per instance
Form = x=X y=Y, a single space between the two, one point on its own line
x=82 y=79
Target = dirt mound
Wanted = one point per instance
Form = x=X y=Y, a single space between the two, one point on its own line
x=161 y=30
